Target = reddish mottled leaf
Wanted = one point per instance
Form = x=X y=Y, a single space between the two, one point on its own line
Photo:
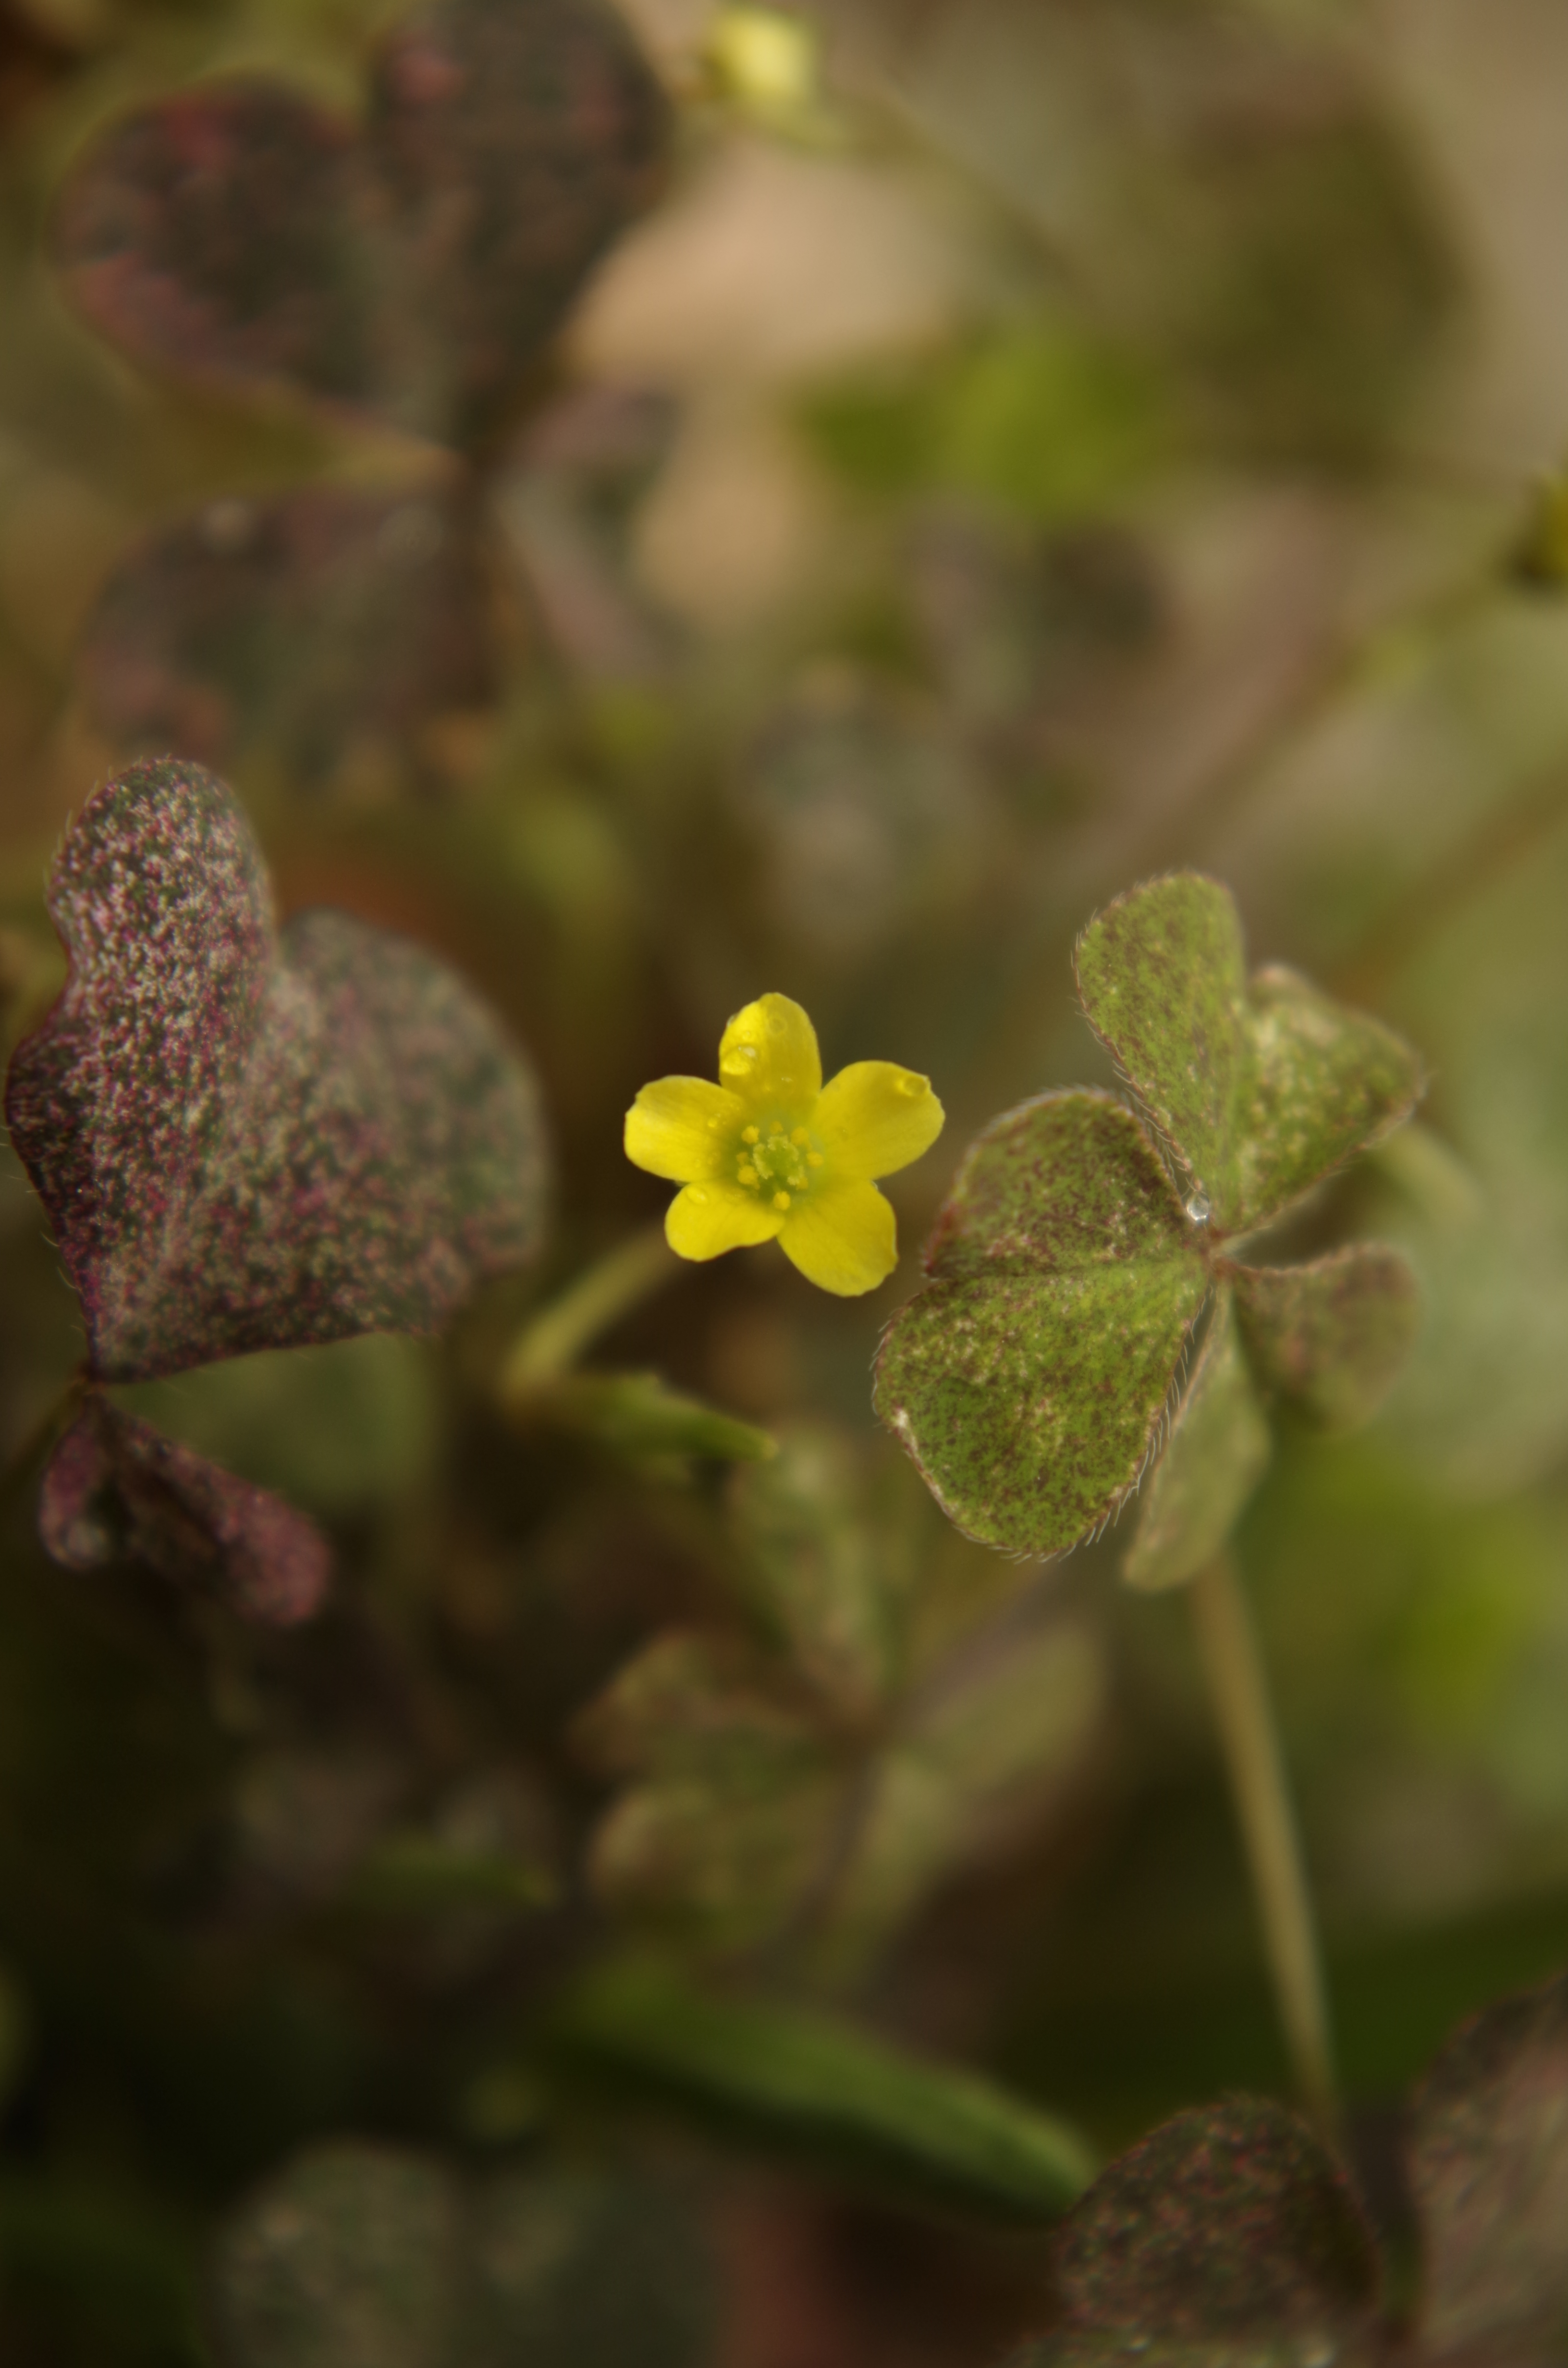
x=323 y=623
x=238 y=234
x=117 y=1487
x=1228 y=2236
x=1489 y=2167
x=1334 y=1336
x=250 y=1138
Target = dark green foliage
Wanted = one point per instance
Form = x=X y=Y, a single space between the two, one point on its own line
x=238 y=235
x=249 y=1138
x=1030 y=1377
x=824 y=2092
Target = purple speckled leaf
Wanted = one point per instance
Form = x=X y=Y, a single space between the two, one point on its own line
x=250 y=1138
x=238 y=234
x=326 y=622
x=1228 y=2238
x=117 y=1487
x=1489 y=2170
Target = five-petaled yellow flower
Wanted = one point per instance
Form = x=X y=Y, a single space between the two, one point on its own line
x=770 y=1153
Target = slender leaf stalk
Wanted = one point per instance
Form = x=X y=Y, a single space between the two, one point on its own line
x=601 y=1295
x=1238 y=1687
x=31 y=1449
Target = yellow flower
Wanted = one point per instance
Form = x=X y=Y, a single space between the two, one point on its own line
x=770 y=1153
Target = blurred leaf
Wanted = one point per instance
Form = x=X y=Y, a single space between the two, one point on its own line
x=364 y=2256
x=1258 y=1092
x=1227 y=2239
x=1489 y=2167
x=100 y=2273
x=1029 y=1377
x=414 y=1874
x=1039 y=418
x=323 y=626
x=238 y=235
x=1321 y=279
x=1219 y=1446
x=578 y=2268
x=249 y=1139
x=812 y=1567
x=117 y=1487
x=1048 y=423
x=823 y=2091
x=1334 y=1336
x=351 y=2256
x=724 y=1830
x=639 y=1416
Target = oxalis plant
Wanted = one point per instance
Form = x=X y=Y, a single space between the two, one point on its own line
x=1101 y=1321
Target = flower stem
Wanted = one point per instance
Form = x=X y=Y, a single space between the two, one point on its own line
x=1239 y=1690
x=601 y=1295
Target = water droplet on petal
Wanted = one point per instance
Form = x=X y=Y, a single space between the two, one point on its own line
x=1198 y=1209
x=913 y=1085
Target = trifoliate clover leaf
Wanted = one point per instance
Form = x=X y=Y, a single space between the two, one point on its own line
x=1037 y=1375
x=771 y=1154
x=1257 y=1092
x=255 y=1138
x=240 y=234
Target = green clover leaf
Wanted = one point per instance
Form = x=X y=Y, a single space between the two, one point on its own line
x=1039 y=1376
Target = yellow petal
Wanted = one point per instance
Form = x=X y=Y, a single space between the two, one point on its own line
x=683 y=1128
x=768 y=1054
x=842 y=1236
x=875 y=1117
x=706 y=1220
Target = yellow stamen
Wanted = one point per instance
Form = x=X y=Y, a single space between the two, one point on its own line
x=750 y=1135
x=813 y=1159
x=780 y=1200
x=800 y=1136
x=745 y=1173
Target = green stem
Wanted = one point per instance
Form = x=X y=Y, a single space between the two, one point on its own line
x=606 y=1292
x=1244 y=1713
x=35 y=1444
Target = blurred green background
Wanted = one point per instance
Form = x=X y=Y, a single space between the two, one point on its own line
x=1022 y=447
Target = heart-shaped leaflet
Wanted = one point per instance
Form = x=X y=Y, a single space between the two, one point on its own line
x=249 y=1138
x=239 y=234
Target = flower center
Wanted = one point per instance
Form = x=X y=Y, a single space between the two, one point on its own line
x=775 y=1161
